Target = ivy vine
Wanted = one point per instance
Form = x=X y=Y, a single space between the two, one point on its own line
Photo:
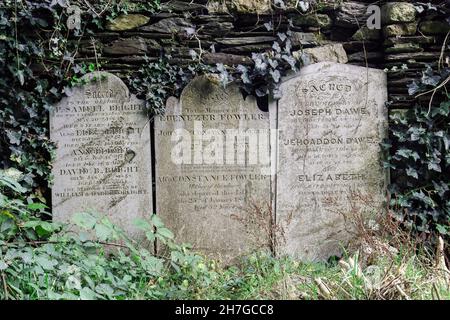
x=37 y=67
x=420 y=158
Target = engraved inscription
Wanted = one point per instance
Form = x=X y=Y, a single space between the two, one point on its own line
x=331 y=120
x=205 y=194
x=103 y=153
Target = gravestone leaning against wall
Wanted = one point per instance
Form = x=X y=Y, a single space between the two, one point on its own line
x=213 y=169
x=331 y=119
x=103 y=160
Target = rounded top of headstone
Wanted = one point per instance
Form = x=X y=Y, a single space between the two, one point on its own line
x=341 y=79
x=114 y=87
x=99 y=85
x=207 y=92
x=322 y=68
x=202 y=86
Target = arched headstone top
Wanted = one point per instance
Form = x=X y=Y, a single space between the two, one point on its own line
x=331 y=119
x=103 y=153
x=205 y=94
x=212 y=156
x=323 y=68
x=329 y=84
x=101 y=84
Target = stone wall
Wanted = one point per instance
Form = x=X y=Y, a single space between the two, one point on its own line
x=229 y=31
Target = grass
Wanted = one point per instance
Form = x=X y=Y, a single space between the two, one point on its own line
x=383 y=263
x=261 y=276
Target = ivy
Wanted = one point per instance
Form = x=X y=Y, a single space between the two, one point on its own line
x=263 y=77
x=42 y=260
x=156 y=81
x=37 y=68
x=420 y=158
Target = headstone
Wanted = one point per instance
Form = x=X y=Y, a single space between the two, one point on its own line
x=213 y=169
x=331 y=119
x=103 y=156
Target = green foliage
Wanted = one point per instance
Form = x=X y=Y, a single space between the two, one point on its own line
x=37 y=59
x=263 y=76
x=37 y=56
x=420 y=160
x=21 y=217
x=24 y=97
x=156 y=81
x=41 y=260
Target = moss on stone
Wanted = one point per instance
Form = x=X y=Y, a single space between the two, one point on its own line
x=127 y=22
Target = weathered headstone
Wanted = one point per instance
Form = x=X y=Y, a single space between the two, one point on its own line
x=103 y=160
x=213 y=169
x=331 y=119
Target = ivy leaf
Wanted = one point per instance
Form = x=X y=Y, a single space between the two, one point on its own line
x=193 y=54
x=277 y=93
x=444 y=108
x=291 y=60
x=415 y=155
x=416 y=133
x=280 y=4
x=419 y=8
x=14 y=137
x=442 y=229
x=54 y=91
x=434 y=166
x=142 y=224
x=3 y=265
x=166 y=233
x=413 y=88
x=261 y=92
x=21 y=77
x=440 y=187
x=84 y=220
x=405 y=153
x=259 y=63
x=102 y=232
x=429 y=78
x=304 y=5
x=422 y=197
x=190 y=31
x=157 y=222
x=62 y=3
x=273 y=63
x=275 y=75
x=412 y=172
x=268 y=26
x=282 y=36
x=46 y=263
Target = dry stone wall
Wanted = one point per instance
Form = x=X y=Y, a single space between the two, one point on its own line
x=229 y=31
